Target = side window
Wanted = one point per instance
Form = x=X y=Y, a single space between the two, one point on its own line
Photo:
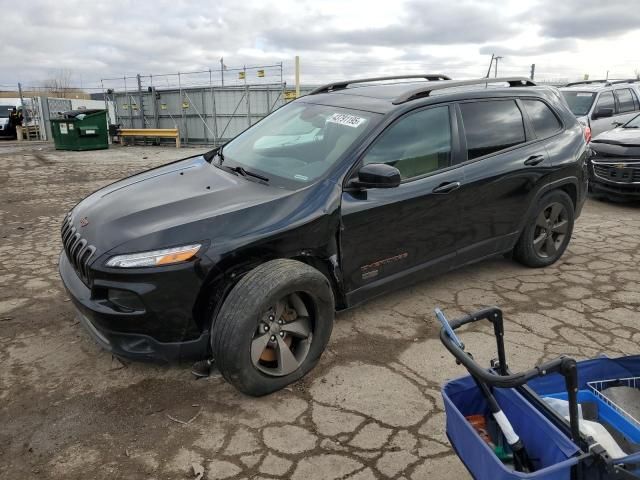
x=625 y=100
x=491 y=126
x=605 y=100
x=417 y=144
x=544 y=121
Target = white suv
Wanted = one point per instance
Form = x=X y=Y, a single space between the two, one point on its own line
x=603 y=104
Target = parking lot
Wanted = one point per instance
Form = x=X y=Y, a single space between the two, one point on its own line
x=371 y=409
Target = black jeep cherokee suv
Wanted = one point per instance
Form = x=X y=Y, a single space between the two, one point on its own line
x=244 y=253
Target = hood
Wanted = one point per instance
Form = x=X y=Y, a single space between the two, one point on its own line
x=165 y=200
x=620 y=136
x=617 y=143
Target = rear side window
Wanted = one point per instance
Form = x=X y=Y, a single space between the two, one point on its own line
x=417 y=144
x=605 y=100
x=625 y=100
x=491 y=126
x=544 y=121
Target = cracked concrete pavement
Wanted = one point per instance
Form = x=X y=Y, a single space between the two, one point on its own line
x=371 y=409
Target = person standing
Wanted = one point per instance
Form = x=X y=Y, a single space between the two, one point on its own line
x=18 y=118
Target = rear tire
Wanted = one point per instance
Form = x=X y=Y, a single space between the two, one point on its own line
x=548 y=231
x=273 y=326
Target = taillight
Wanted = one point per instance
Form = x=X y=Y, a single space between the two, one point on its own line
x=587 y=133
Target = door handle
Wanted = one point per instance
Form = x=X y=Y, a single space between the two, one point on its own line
x=534 y=160
x=447 y=187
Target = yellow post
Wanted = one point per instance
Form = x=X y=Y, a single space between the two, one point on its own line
x=297 y=76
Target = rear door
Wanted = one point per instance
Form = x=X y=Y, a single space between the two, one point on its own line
x=505 y=160
x=627 y=104
x=389 y=233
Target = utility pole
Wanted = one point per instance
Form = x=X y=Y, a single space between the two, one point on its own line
x=533 y=70
x=140 y=101
x=297 y=76
x=495 y=71
x=607 y=75
x=222 y=70
x=490 y=63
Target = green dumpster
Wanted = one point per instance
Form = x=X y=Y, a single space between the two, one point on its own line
x=81 y=130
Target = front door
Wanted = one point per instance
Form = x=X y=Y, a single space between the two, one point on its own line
x=389 y=234
x=602 y=124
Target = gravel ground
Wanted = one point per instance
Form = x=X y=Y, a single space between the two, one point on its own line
x=371 y=409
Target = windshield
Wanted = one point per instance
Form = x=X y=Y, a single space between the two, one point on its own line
x=299 y=142
x=579 y=102
x=5 y=110
x=633 y=123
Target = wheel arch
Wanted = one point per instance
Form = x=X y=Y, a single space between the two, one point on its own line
x=330 y=269
x=571 y=189
x=222 y=278
x=568 y=185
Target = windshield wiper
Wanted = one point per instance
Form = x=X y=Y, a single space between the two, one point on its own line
x=246 y=173
x=238 y=170
x=241 y=171
x=631 y=126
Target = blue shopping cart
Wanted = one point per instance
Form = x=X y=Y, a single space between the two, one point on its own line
x=525 y=437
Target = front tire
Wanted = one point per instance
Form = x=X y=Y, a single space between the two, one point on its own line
x=548 y=231
x=273 y=326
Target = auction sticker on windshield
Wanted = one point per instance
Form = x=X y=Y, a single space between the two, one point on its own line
x=346 y=119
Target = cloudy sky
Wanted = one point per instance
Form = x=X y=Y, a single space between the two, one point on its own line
x=334 y=38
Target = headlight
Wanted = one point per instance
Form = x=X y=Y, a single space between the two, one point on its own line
x=155 y=258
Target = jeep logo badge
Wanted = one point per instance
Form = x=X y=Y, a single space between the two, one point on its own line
x=84 y=221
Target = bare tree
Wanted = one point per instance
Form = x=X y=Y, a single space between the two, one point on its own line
x=637 y=73
x=59 y=84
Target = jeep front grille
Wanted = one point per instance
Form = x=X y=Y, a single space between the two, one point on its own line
x=77 y=249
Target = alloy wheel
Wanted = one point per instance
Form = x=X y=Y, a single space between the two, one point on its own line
x=552 y=225
x=283 y=337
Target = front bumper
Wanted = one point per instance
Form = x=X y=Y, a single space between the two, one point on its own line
x=133 y=335
x=616 y=178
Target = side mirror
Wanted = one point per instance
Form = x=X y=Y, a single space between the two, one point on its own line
x=603 y=113
x=617 y=124
x=377 y=175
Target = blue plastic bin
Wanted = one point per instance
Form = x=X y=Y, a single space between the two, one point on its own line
x=553 y=454
x=598 y=369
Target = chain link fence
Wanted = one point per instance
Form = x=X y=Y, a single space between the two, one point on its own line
x=208 y=107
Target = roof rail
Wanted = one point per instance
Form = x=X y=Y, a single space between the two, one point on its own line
x=329 y=87
x=424 y=91
x=588 y=82
x=629 y=80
